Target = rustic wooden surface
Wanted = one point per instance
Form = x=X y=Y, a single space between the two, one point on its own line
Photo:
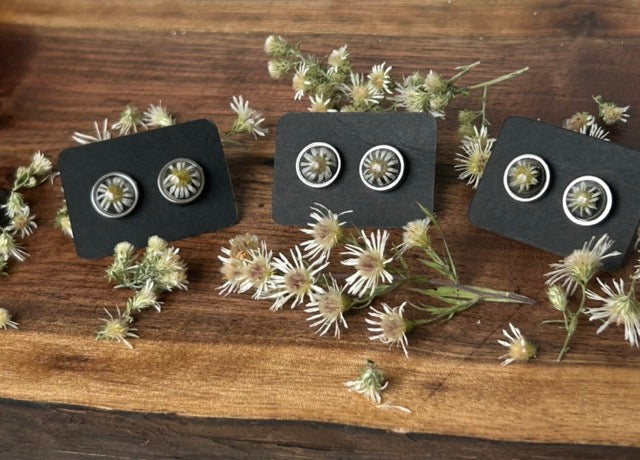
x=255 y=379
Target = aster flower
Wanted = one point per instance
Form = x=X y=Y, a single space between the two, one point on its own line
x=593 y=130
x=40 y=165
x=9 y=248
x=143 y=299
x=22 y=223
x=520 y=348
x=276 y=46
x=327 y=308
x=169 y=270
x=241 y=246
x=584 y=198
x=300 y=82
x=116 y=329
x=5 y=319
x=370 y=263
x=338 y=60
x=557 y=297
x=411 y=94
x=277 y=68
x=130 y=120
x=380 y=79
x=232 y=271
x=63 y=223
x=618 y=307
x=157 y=116
x=361 y=94
x=15 y=204
x=247 y=119
x=476 y=153
x=523 y=175
x=415 y=234
x=101 y=134
x=319 y=104
x=257 y=272
x=296 y=279
x=578 y=121
x=326 y=232
x=610 y=112
x=434 y=83
x=183 y=179
x=582 y=264
x=114 y=192
x=389 y=326
x=370 y=383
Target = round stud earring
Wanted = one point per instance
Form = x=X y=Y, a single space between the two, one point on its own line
x=587 y=200
x=181 y=181
x=318 y=165
x=382 y=168
x=526 y=178
x=114 y=195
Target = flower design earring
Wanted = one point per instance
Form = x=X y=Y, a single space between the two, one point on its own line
x=587 y=200
x=526 y=178
x=114 y=195
x=318 y=165
x=382 y=168
x=181 y=181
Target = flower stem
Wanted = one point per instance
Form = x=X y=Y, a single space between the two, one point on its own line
x=464 y=69
x=497 y=80
x=572 y=324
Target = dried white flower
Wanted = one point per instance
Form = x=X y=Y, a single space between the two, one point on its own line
x=389 y=326
x=370 y=263
x=319 y=104
x=116 y=329
x=5 y=319
x=520 y=349
x=300 y=82
x=618 y=307
x=130 y=120
x=415 y=235
x=257 y=272
x=101 y=134
x=473 y=159
x=9 y=247
x=247 y=119
x=157 y=116
x=596 y=131
x=380 y=79
x=361 y=94
x=327 y=308
x=370 y=383
x=326 y=232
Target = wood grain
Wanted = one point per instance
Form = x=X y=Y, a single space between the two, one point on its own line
x=66 y=64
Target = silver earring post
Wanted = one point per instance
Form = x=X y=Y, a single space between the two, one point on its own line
x=181 y=181
x=318 y=165
x=382 y=168
x=114 y=195
x=527 y=178
x=587 y=201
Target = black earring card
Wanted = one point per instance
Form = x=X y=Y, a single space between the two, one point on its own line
x=4 y=196
x=543 y=223
x=142 y=157
x=352 y=135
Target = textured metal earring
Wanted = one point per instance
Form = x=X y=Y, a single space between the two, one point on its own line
x=587 y=200
x=114 y=195
x=181 y=181
x=318 y=165
x=382 y=168
x=526 y=178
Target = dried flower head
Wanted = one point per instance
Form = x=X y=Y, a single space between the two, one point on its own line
x=593 y=130
x=584 y=198
x=157 y=116
x=319 y=104
x=247 y=119
x=370 y=383
x=22 y=223
x=557 y=297
x=370 y=263
x=14 y=205
x=295 y=279
x=380 y=79
x=389 y=326
x=327 y=308
x=183 y=179
x=578 y=121
x=610 y=112
x=40 y=165
x=520 y=348
x=5 y=319
x=63 y=223
x=361 y=95
x=101 y=134
x=300 y=82
x=473 y=159
x=415 y=235
x=130 y=120
x=146 y=297
x=582 y=264
x=523 y=175
x=277 y=68
x=618 y=307
x=115 y=193
x=257 y=272
x=276 y=46
x=338 y=60
x=116 y=329
x=10 y=248
x=232 y=271
x=241 y=246
x=326 y=232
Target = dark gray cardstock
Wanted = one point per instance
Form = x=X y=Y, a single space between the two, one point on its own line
x=142 y=156
x=543 y=223
x=4 y=197
x=352 y=134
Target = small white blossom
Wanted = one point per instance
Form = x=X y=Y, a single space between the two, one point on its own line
x=389 y=326
x=130 y=120
x=101 y=134
x=619 y=307
x=370 y=263
x=476 y=152
x=157 y=116
x=370 y=383
x=327 y=308
x=326 y=232
x=247 y=119
x=520 y=349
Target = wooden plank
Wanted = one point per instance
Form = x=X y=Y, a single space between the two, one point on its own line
x=208 y=356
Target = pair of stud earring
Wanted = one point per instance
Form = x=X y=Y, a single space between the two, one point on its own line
x=116 y=194
x=586 y=201
x=319 y=164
